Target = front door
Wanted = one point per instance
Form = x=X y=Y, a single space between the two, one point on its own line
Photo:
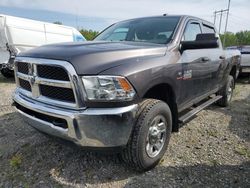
x=196 y=66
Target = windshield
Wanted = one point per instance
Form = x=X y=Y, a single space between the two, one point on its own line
x=154 y=30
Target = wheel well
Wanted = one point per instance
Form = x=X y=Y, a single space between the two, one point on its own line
x=165 y=93
x=233 y=72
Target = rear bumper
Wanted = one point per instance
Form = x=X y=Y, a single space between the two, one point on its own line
x=91 y=127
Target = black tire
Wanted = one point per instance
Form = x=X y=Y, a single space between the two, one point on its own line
x=226 y=92
x=135 y=154
x=7 y=73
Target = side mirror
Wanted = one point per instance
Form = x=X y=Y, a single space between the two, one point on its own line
x=206 y=40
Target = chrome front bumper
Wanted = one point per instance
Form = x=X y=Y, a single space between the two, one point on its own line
x=91 y=127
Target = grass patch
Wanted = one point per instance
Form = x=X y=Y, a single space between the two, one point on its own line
x=16 y=161
x=242 y=150
x=212 y=132
x=236 y=91
x=214 y=162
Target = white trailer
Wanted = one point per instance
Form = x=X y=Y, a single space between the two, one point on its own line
x=19 y=34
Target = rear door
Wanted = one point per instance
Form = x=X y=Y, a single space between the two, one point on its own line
x=196 y=71
x=217 y=58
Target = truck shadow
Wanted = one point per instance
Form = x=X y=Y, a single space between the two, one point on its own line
x=243 y=79
x=239 y=111
x=6 y=80
x=199 y=175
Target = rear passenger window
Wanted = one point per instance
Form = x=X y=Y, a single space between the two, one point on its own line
x=192 y=29
x=208 y=29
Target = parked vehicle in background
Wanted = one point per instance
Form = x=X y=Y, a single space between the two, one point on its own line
x=245 y=57
x=129 y=88
x=245 y=62
x=19 y=34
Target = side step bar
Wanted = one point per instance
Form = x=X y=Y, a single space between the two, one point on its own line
x=183 y=119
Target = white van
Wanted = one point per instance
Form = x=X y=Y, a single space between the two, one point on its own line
x=19 y=34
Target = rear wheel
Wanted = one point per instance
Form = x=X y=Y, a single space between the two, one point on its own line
x=150 y=136
x=226 y=92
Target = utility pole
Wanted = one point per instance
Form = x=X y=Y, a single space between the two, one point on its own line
x=214 y=17
x=224 y=40
x=220 y=20
x=221 y=14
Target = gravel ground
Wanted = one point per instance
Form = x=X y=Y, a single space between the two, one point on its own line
x=212 y=150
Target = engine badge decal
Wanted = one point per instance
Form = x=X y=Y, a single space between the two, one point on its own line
x=185 y=76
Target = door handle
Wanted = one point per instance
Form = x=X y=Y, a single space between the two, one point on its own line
x=222 y=57
x=205 y=59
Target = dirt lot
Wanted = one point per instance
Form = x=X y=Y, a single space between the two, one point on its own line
x=212 y=150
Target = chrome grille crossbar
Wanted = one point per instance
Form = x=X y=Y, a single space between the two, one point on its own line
x=44 y=81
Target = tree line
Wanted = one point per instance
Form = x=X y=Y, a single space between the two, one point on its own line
x=89 y=34
x=236 y=39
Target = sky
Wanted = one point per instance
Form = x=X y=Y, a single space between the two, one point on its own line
x=98 y=14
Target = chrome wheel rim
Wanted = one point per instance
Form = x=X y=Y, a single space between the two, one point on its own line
x=229 y=92
x=156 y=136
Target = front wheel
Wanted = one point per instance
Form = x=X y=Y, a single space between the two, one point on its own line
x=150 y=136
x=226 y=92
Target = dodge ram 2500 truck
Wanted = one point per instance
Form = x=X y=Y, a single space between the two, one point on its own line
x=128 y=88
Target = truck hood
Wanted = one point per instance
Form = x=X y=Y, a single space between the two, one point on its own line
x=94 y=57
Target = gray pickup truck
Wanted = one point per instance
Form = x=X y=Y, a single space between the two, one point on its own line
x=127 y=89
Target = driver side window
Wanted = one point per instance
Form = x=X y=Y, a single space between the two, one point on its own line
x=192 y=29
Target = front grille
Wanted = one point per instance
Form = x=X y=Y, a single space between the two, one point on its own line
x=24 y=84
x=63 y=94
x=52 y=72
x=23 y=67
x=46 y=79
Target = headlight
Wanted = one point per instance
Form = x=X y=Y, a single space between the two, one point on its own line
x=108 y=88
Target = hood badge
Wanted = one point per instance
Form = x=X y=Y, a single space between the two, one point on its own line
x=31 y=73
